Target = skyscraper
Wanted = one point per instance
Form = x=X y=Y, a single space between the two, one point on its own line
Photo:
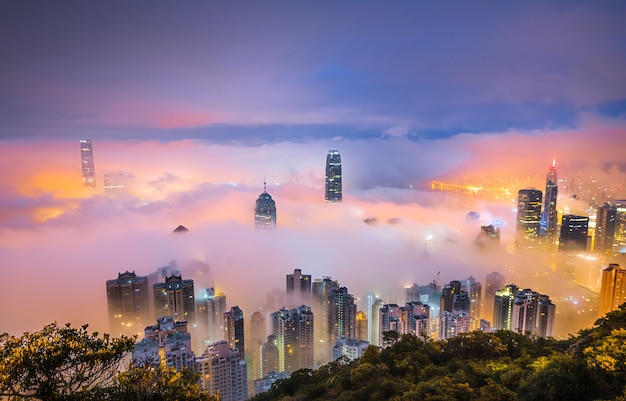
x=503 y=307
x=166 y=342
x=223 y=371
x=533 y=314
x=321 y=290
x=128 y=300
x=175 y=297
x=333 y=176
x=454 y=315
x=528 y=217
x=611 y=228
x=293 y=330
x=298 y=287
x=474 y=290
x=613 y=289
x=258 y=335
x=265 y=210
x=86 y=157
x=549 y=214
x=210 y=315
x=341 y=315
x=233 y=321
x=493 y=282
x=574 y=233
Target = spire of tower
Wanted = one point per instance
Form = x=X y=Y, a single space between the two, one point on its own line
x=264 y=184
x=554 y=162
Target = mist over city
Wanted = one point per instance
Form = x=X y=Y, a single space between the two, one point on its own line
x=190 y=113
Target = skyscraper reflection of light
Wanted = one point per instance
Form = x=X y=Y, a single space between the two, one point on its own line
x=333 y=176
x=549 y=214
x=613 y=289
x=528 y=217
x=265 y=210
x=86 y=156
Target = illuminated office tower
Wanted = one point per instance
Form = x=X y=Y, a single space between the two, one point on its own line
x=493 y=283
x=233 y=322
x=265 y=210
x=298 y=288
x=223 y=372
x=613 y=289
x=549 y=214
x=175 y=297
x=210 y=315
x=128 y=300
x=333 y=176
x=473 y=289
x=86 y=157
x=533 y=314
x=574 y=233
x=528 y=217
x=293 y=330
x=341 y=315
x=503 y=307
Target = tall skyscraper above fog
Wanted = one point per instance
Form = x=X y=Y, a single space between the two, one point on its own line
x=128 y=300
x=528 y=217
x=175 y=297
x=549 y=214
x=333 y=176
x=86 y=157
x=574 y=233
x=265 y=210
x=613 y=289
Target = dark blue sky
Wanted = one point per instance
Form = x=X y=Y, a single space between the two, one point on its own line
x=257 y=72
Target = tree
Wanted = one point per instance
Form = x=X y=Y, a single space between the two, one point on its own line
x=143 y=383
x=59 y=362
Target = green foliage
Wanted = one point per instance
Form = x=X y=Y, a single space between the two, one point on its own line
x=59 y=362
x=157 y=384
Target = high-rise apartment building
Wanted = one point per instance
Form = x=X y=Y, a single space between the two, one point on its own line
x=528 y=217
x=613 y=289
x=533 y=314
x=293 y=330
x=175 y=297
x=211 y=307
x=265 y=210
x=503 y=307
x=128 y=300
x=165 y=342
x=321 y=290
x=270 y=357
x=574 y=233
x=455 y=308
x=413 y=318
x=341 y=315
x=474 y=293
x=524 y=311
x=493 y=282
x=361 y=326
x=610 y=232
x=233 y=322
x=258 y=335
x=298 y=288
x=223 y=371
x=88 y=168
x=334 y=190
x=549 y=214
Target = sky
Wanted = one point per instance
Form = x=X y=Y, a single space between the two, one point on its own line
x=196 y=102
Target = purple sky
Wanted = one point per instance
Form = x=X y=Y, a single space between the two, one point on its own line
x=258 y=72
x=195 y=102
